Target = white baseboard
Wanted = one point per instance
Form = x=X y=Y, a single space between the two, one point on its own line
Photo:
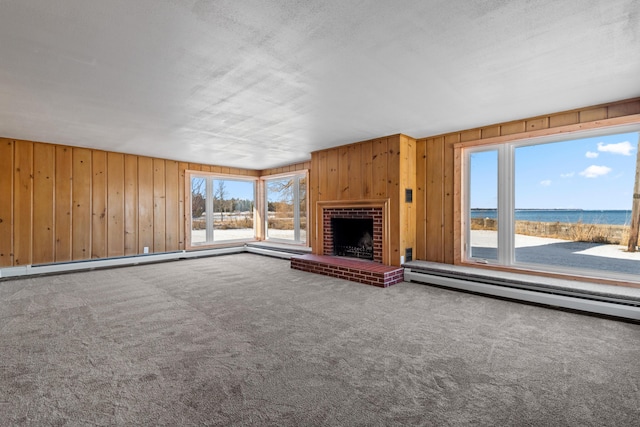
x=608 y=308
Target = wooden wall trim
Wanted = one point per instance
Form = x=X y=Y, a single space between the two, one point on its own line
x=283 y=170
x=586 y=114
x=6 y=202
x=568 y=129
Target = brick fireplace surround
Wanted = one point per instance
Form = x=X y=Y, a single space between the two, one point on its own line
x=369 y=272
x=353 y=213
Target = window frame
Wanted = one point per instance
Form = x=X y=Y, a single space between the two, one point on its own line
x=298 y=175
x=506 y=146
x=212 y=176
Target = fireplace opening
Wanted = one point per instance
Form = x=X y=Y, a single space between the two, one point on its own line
x=353 y=237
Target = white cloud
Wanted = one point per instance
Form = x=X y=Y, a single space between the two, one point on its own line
x=567 y=175
x=594 y=171
x=625 y=148
x=591 y=155
x=545 y=183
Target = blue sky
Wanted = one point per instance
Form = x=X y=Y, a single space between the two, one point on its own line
x=237 y=189
x=590 y=173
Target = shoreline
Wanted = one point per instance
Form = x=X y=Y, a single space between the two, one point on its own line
x=576 y=232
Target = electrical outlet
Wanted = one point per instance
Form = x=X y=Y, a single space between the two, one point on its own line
x=146 y=249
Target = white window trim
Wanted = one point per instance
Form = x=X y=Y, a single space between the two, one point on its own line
x=210 y=242
x=296 y=206
x=506 y=201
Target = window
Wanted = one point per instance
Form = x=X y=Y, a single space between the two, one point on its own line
x=483 y=187
x=222 y=209
x=286 y=203
x=552 y=204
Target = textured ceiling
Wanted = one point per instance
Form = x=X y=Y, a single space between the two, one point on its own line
x=259 y=84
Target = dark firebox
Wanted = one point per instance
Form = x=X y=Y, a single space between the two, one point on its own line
x=352 y=237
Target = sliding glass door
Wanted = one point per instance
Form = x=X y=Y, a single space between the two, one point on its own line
x=561 y=205
x=222 y=209
x=286 y=206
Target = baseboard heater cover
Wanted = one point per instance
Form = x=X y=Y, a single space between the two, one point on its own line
x=623 y=309
x=34 y=270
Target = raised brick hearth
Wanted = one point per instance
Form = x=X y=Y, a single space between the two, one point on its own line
x=368 y=272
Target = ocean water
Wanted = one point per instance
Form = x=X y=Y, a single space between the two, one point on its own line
x=612 y=217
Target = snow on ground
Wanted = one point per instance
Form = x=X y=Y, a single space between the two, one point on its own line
x=199 y=236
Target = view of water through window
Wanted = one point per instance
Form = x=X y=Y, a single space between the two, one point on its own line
x=569 y=204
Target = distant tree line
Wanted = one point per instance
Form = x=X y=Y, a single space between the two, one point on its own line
x=221 y=204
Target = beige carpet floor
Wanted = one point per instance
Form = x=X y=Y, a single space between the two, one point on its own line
x=245 y=340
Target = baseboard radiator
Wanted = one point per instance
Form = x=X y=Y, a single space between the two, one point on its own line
x=67 y=267
x=617 y=307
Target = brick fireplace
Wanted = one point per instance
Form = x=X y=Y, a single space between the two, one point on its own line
x=329 y=217
x=375 y=210
x=378 y=271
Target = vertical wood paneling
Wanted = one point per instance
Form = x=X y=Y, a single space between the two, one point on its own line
x=393 y=193
x=366 y=157
x=145 y=204
x=458 y=179
x=159 y=214
x=435 y=200
x=373 y=170
x=379 y=169
x=333 y=179
x=130 y=204
x=181 y=205
x=421 y=200
x=115 y=205
x=323 y=172
x=172 y=215
x=59 y=203
x=99 y=204
x=407 y=175
x=81 y=205
x=314 y=192
x=23 y=203
x=6 y=202
x=63 y=204
x=448 y=216
x=343 y=173
x=43 y=203
x=355 y=172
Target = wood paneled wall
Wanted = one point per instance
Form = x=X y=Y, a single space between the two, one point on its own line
x=298 y=167
x=436 y=170
x=378 y=169
x=60 y=203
